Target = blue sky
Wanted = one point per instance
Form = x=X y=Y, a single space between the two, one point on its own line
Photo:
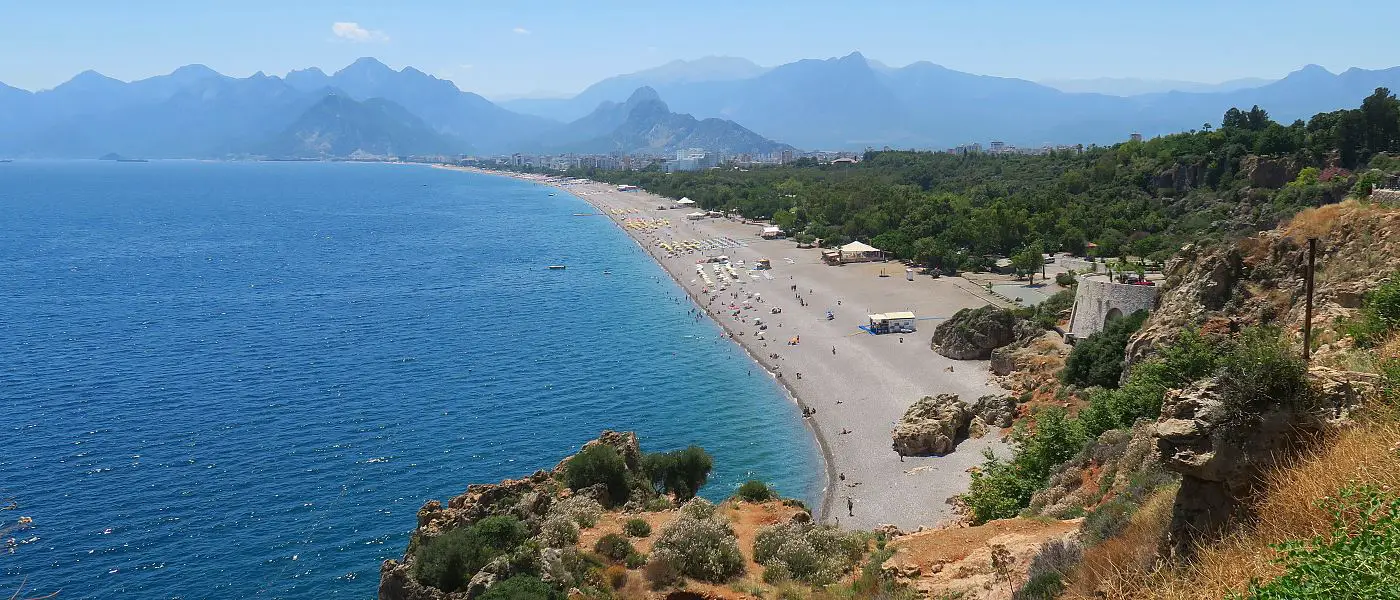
x=511 y=48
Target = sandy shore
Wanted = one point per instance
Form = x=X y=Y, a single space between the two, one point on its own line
x=858 y=384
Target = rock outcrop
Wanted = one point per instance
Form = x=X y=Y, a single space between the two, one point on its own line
x=973 y=333
x=1267 y=172
x=995 y=411
x=529 y=499
x=932 y=426
x=1222 y=449
x=1259 y=280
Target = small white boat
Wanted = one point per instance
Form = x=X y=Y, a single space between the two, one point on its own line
x=556 y=267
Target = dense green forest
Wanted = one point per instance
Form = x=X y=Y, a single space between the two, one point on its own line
x=1141 y=199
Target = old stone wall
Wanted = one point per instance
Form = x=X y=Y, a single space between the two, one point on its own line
x=1098 y=299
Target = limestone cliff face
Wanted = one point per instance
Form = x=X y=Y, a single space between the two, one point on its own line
x=1259 y=280
x=1223 y=452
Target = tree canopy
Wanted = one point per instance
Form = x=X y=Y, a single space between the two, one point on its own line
x=1139 y=198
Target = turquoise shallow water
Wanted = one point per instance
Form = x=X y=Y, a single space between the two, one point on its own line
x=225 y=380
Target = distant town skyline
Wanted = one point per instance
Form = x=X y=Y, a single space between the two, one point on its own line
x=509 y=50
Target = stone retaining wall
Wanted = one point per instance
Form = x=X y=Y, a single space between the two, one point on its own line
x=1098 y=299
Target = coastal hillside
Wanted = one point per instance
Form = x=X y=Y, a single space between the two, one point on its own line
x=613 y=521
x=338 y=126
x=1144 y=199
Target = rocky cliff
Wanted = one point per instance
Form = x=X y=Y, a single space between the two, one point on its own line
x=1225 y=287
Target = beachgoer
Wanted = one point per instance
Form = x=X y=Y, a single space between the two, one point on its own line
x=842 y=476
x=833 y=350
x=850 y=507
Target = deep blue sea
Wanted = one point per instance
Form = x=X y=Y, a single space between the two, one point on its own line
x=231 y=380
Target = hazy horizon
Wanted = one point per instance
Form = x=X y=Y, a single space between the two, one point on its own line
x=506 y=51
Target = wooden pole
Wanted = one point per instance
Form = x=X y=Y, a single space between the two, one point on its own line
x=1307 y=312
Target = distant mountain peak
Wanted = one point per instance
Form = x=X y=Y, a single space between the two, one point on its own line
x=367 y=65
x=643 y=94
x=853 y=57
x=195 y=69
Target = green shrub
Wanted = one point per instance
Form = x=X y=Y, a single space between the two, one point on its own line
x=1098 y=359
x=598 y=464
x=581 y=509
x=1047 y=313
x=523 y=587
x=754 y=490
x=682 y=472
x=815 y=555
x=1358 y=558
x=614 y=547
x=558 y=531
x=1000 y=489
x=1261 y=370
x=635 y=560
x=448 y=561
x=699 y=545
x=637 y=528
x=1065 y=279
x=1379 y=314
x=776 y=574
x=1188 y=359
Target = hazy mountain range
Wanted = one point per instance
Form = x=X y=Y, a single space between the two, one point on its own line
x=1132 y=86
x=717 y=103
x=852 y=102
x=366 y=108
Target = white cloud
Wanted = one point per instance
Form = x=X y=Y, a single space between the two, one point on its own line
x=521 y=31
x=353 y=32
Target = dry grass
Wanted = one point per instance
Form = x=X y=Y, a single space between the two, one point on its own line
x=1288 y=510
x=1126 y=558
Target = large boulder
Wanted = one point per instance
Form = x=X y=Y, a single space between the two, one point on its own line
x=973 y=333
x=995 y=411
x=932 y=426
x=1223 y=450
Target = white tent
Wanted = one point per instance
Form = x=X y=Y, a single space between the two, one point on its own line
x=858 y=252
x=685 y=201
x=858 y=247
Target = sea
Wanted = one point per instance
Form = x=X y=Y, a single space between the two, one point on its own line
x=242 y=379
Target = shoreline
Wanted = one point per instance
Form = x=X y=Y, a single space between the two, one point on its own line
x=861 y=464
x=824 y=448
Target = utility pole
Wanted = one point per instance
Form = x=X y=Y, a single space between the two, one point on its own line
x=1307 y=312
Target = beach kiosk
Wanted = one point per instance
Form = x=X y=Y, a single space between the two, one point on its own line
x=893 y=322
x=858 y=252
x=696 y=216
x=771 y=232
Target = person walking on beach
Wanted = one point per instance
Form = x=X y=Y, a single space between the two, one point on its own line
x=833 y=350
x=850 y=507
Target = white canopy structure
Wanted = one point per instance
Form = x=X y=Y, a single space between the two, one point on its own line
x=858 y=252
x=685 y=202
